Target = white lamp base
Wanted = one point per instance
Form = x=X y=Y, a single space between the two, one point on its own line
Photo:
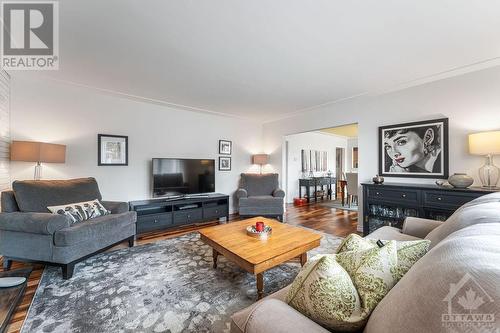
x=38 y=171
x=489 y=173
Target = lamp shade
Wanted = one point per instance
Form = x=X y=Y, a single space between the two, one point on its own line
x=31 y=151
x=485 y=143
x=260 y=159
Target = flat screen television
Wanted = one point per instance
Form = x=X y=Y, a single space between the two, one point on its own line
x=182 y=176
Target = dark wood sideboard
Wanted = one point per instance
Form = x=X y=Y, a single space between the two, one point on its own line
x=162 y=213
x=390 y=203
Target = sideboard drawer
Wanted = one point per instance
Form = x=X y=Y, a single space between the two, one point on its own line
x=446 y=199
x=153 y=222
x=187 y=216
x=394 y=195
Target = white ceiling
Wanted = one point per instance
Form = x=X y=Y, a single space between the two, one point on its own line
x=265 y=59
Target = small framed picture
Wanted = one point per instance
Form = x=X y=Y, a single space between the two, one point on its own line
x=112 y=150
x=224 y=163
x=418 y=149
x=225 y=147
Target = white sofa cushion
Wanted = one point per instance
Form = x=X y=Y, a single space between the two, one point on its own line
x=391 y=233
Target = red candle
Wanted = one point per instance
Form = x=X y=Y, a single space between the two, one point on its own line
x=259 y=226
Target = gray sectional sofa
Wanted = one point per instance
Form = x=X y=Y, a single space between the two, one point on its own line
x=29 y=232
x=464 y=257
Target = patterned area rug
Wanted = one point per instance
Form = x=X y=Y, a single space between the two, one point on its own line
x=167 y=286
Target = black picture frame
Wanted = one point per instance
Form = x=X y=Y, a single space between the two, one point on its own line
x=440 y=171
x=100 y=138
x=222 y=147
x=224 y=168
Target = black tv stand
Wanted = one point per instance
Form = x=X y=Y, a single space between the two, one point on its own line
x=166 y=213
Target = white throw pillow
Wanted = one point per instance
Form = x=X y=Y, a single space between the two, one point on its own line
x=81 y=211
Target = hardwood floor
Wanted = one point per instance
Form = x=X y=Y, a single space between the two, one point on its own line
x=329 y=220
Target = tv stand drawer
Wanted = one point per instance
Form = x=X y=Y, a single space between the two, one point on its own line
x=188 y=216
x=214 y=212
x=153 y=222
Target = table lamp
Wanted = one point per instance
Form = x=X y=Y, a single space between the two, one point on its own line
x=486 y=144
x=260 y=159
x=39 y=152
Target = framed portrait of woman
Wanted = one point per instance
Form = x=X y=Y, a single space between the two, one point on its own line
x=417 y=150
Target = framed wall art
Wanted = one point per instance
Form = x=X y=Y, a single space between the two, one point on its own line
x=225 y=147
x=417 y=149
x=112 y=150
x=224 y=163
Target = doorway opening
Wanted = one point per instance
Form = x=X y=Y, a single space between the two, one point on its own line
x=321 y=166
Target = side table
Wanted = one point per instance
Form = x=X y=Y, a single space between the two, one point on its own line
x=10 y=297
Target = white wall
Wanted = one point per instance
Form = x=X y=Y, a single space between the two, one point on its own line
x=313 y=141
x=470 y=101
x=54 y=112
x=351 y=143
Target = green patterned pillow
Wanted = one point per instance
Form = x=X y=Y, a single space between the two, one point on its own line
x=354 y=242
x=339 y=291
x=409 y=252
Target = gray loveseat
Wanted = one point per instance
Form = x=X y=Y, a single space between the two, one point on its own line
x=29 y=232
x=260 y=195
x=447 y=290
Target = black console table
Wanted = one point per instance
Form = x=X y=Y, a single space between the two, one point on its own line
x=391 y=203
x=317 y=182
x=164 y=213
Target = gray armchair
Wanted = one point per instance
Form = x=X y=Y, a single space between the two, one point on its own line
x=260 y=195
x=29 y=232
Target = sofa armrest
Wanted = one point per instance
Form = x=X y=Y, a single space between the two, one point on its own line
x=116 y=207
x=418 y=227
x=128 y=215
x=131 y=215
x=278 y=193
x=241 y=193
x=275 y=316
x=34 y=223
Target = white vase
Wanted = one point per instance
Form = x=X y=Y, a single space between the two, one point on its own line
x=460 y=180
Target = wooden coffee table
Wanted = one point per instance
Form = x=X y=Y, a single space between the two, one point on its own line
x=257 y=256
